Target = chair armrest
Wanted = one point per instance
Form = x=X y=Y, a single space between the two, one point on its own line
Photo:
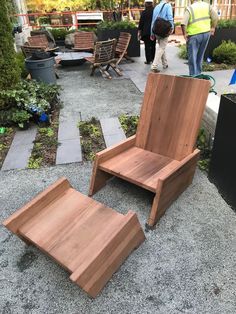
x=115 y=149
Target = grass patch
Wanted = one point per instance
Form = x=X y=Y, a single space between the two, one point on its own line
x=6 y=138
x=92 y=140
x=45 y=145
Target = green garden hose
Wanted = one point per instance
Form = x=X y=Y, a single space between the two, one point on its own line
x=205 y=77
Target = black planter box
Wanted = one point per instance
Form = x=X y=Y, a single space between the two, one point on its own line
x=134 y=45
x=220 y=35
x=60 y=42
x=222 y=170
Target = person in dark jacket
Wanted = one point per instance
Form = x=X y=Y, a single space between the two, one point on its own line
x=144 y=31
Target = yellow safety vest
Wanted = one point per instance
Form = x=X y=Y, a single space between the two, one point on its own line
x=200 y=21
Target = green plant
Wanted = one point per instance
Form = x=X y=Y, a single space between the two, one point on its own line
x=226 y=24
x=20 y=60
x=20 y=117
x=182 y=53
x=46 y=131
x=225 y=53
x=205 y=146
x=177 y=23
x=116 y=25
x=59 y=33
x=44 y=20
x=129 y=124
x=34 y=163
x=10 y=72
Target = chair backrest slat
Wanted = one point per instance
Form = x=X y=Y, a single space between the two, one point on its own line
x=84 y=40
x=171 y=114
x=123 y=42
x=104 y=51
x=38 y=40
x=28 y=50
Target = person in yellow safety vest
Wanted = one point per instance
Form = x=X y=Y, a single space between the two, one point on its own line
x=198 y=25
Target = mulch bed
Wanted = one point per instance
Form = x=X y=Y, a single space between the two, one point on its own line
x=92 y=140
x=45 y=144
x=5 y=143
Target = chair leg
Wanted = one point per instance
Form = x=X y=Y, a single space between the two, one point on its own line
x=92 y=71
x=116 y=69
x=105 y=73
x=169 y=189
x=98 y=179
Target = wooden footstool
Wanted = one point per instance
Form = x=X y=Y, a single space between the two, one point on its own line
x=87 y=238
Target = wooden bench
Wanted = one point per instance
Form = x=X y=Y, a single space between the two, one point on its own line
x=29 y=50
x=161 y=157
x=104 y=56
x=87 y=238
x=84 y=41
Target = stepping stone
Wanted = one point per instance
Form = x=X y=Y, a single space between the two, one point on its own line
x=112 y=131
x=20 y=150
x=69 y=149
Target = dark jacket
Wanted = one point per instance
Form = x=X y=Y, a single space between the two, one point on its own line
x=145 y=22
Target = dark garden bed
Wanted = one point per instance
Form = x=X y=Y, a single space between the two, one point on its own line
x=6 y=138
x=45 y=144
x=92 y=140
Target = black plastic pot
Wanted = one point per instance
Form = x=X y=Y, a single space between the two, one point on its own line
x=220 y=35
x=222 y=170
x=134 y=45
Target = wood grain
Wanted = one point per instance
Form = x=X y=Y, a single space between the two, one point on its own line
x=84 y=236
x=161 y=158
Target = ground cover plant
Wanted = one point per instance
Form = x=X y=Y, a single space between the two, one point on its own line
x=6 y=138
x=45 y=144
x=92 y=140
x=129 y=125
x=28 y=101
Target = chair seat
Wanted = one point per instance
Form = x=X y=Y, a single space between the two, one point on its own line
x=139 y=166
x=90 y=59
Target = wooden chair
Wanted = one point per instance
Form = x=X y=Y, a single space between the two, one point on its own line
x=41 y=41
x=87 y=238
x=104 y=55
x=161 y=157
x=121 y=47
x=84 y=41
x=29 y=50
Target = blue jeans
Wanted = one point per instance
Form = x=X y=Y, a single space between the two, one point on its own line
x=196 y=46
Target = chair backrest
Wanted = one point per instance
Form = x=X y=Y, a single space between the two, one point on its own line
x=171 y=114
x=104 y=51
x=38 y=40
x=84 y=40
x=28 y=50
x=123 y=42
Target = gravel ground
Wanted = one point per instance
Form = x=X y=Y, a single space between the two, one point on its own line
x=186 y=265
x=95 y=96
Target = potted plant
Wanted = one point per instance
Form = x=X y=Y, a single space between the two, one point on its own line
x=107 y=30
x=226 y=30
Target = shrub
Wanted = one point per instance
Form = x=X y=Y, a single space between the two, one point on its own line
x=226 y=24
x=116 y=25
x=183 y=52
x=20 y=60
x=225 y=53
x=10 y=72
